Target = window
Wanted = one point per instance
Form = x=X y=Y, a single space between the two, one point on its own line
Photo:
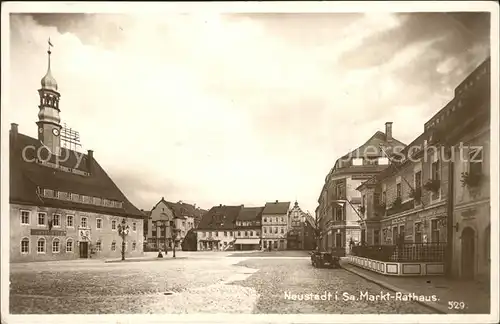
x=25 y=245
x=275 y=230
x=282 y=230
x=382 y=161
x=56 y=220
x=69 y=245
x=134 y=245
x=134 y=227
x=225 y=233
x=239 y=233
x=113 y=225
x=97 y=201
x=216 y=233
x=41 y=218
x=357 y=161
x=371 y=161
x=75 y=197
x=434 y=231
x=25 y=217
x=48 y=193
x=398 y=190
x=376 y=237
x=41 y=245
x=55 y=246
x=265 y=219
x=86 y=199
x=265 y=230
x=383 y=197
x=246 y=233
x=98 y=246
x=476 y=161
x=83 y=222
x=418 y=180
x=98 y=223
x=435 y=170
x=113 y=246
x=153 y=233
x=418 y=232
x=69 y=220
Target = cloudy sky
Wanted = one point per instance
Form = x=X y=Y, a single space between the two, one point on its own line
x=240 y=108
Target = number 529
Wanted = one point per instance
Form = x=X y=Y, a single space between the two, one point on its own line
x=456 y=305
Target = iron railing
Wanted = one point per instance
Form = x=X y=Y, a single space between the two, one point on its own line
x=406 y=252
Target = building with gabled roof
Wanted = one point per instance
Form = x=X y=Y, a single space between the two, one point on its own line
x=275 y=225
x=216 y=230
x=163 y=218
x=63 y=204
x=248 y=228
x=300 y=234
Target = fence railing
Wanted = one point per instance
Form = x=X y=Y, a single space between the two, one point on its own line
x=407 y=252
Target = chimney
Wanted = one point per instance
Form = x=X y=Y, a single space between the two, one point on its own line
x=220 y=205
x=276 y=201
x=90 y=159
x=388 y=131
x=13 y=131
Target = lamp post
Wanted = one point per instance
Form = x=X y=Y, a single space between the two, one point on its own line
x=175 y=232
x=123 y=230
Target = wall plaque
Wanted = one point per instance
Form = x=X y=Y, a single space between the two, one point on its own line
x=47 y=232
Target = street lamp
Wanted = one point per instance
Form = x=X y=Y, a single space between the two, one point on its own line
x=123 y=230
x=175 y=232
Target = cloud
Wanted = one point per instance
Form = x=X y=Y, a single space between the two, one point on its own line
x=234 y=109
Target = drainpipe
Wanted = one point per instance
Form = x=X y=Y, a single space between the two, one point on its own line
x=449 y=221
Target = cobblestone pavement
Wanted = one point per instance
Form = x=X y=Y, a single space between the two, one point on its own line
x=207 y=282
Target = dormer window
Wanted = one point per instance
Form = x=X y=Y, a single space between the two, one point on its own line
x=357 y=161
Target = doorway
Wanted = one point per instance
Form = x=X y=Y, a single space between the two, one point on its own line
x=468 y=260
x=84 y=250
x=338 y=240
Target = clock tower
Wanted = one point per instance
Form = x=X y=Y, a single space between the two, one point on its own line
x=49 y=127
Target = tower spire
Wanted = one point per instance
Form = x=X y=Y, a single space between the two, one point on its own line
x=48 y=81
x=49 y=126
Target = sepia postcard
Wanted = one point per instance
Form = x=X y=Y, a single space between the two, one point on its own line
x=250 y=162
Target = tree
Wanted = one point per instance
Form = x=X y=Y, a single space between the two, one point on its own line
x=189 y=242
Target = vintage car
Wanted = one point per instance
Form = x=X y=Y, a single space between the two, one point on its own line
x=325 y=260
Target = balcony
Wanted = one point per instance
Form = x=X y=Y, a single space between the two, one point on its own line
x=401 y=207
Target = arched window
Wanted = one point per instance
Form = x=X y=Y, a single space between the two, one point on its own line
x=25 y=245
x=41 y=245
x=69 y=245
x=134 y=245
x=113 y=225
x=56 y=246
x=113 y=246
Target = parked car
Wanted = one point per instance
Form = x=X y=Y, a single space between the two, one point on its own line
x=325 y=260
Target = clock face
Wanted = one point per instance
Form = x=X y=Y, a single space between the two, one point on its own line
x=55 y=131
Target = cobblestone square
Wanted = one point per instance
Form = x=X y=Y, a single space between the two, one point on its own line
x=202 y=282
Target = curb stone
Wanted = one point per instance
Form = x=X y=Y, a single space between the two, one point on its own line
x=433 y=305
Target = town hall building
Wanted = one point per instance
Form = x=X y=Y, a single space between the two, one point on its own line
x=63 y=204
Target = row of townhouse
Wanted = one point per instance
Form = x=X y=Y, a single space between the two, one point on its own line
x=63 y=204
x=246 y=228
x=437 y=191
x=168 y=223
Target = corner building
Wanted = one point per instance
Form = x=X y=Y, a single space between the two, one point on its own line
x=63 y=205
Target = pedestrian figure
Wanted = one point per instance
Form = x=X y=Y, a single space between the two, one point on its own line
x=160 y=255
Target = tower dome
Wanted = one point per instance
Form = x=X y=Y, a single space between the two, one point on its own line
x=48 y=81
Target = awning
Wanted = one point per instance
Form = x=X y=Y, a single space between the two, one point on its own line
x=247 y=241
